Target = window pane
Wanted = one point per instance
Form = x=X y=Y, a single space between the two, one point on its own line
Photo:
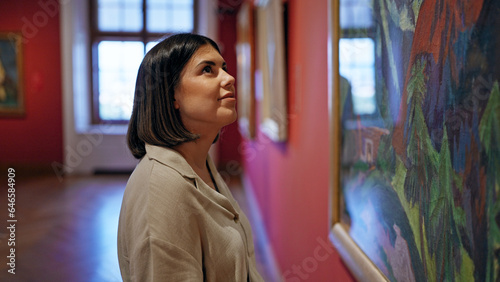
x=356 y=14
x=183 y=19
x=150 y=45
x=119 y=15
x=117 y=77
x=170 y=15
x=357 y=65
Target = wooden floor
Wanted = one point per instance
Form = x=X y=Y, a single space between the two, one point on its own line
x=66 y=231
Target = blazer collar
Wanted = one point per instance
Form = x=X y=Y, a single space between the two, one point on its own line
x=176 y=161
x=170 y=158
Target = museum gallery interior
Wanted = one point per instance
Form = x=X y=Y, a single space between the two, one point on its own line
x=366 y=145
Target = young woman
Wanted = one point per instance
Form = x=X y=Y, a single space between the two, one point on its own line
x=178 y=220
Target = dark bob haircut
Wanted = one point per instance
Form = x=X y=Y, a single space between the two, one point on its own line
x=154 y=119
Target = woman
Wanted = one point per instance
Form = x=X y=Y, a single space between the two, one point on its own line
x=178 y=220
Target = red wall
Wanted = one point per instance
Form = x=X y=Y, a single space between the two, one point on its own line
x=291 y=179
x=230 y=136
x=35 y=138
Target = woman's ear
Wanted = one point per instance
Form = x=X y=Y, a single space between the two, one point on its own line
x=176 y=104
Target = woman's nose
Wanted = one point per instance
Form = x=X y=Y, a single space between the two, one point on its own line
x=228 y=79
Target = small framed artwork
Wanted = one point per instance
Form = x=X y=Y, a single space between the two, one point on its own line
x=415 y=139
x=245 y=54
x=11 y=78
x=271 y=63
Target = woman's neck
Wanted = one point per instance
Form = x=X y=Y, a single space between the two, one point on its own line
x=196 y=152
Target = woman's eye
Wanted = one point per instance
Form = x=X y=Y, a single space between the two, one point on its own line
x=207 y=69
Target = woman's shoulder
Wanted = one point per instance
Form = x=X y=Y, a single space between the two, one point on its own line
x=155 y=190
x=157 y=201
x=159 y=176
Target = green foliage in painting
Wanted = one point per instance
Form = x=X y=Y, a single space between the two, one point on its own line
x=429 y=184
x=420 y=151
x=489 y=128
x=442 y=224
x=489 y=133
x=386 y=159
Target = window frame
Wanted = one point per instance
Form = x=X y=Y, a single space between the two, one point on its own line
x=96 y=36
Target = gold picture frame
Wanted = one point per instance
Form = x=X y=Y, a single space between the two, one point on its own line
x=361 y=267
x=271 y=59
x=11 y=75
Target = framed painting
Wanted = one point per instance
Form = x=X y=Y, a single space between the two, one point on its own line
x=11 y=79
x=415 y=132
x=271 y=62
x=245 y=55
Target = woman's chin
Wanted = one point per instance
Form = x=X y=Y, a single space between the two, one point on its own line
x=230 y=118
x=233 y=118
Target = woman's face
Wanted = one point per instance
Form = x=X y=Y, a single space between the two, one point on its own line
x=205 y=95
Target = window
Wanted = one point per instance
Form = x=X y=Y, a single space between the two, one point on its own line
x=122 y=31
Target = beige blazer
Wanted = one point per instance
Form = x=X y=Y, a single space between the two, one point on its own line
x=174 y=227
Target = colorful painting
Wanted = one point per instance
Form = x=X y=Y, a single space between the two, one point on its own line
x=420 y=128
x=11 y=87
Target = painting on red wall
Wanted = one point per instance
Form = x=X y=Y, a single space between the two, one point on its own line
x=11 y=88
x=270 y=38
x=245 y=56
x=419 y=133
